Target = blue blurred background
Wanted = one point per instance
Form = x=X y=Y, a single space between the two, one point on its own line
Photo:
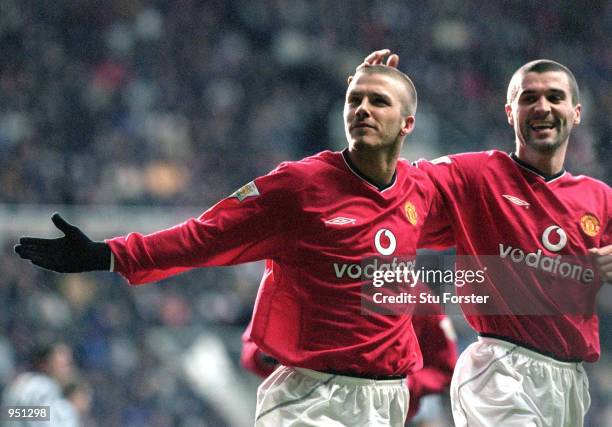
x=129 y=116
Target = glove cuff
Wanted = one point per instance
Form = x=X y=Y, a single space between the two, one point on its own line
x=101 y=256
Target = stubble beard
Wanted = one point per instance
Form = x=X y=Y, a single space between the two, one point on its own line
x=547 y=146
x=377 y=145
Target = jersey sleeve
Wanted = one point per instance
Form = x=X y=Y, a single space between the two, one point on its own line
x=253 y=359
x=455 y=176
x=437 y=232
x=251 y=224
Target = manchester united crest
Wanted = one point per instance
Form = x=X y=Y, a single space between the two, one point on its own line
x=590 y=225
x=411 y=213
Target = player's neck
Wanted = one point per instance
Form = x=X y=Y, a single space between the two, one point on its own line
x=378 y=166
x=548 y=164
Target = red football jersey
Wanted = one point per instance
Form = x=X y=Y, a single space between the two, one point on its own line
x=533 y=233
x=316 y=222
x=253 y=359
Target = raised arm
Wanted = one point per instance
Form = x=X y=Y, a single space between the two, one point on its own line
x=378 y=57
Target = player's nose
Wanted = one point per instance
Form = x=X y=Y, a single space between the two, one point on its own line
x=542 y=106
x=363 y=109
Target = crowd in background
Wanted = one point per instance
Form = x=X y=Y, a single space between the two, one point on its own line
x=180 y=103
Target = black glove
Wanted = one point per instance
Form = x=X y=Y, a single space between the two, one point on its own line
x=73 y=253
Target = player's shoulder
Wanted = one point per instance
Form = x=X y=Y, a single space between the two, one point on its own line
x=473 y=158
x=311 y=165
x=407 y=170
x=300 y=175
x=478 y=158
x=588 y=184
x=588 y=180
x=408 y=166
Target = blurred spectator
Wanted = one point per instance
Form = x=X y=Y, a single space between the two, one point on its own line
x=79 y=394
x=51 y=368
x=145 y=103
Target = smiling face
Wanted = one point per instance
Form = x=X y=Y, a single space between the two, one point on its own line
x=543 y=111
x=375 y=112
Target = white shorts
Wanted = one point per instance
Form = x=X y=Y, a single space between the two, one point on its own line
x=301 y=397
x=497 y=383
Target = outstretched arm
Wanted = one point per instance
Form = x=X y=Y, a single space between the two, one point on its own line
x=73 y=253
x=256 y=222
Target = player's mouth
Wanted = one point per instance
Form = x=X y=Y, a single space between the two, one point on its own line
x=361 y=125
x=542 y=126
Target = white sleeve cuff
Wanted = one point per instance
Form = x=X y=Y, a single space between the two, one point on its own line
x=112 y=262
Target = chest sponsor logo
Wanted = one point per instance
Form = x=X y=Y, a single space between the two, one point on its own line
x=554 y=238
x=341 y=220
x=590 y=225
x=385 y=243
x=247 y=190
x=515 y=200
x=561 y=241
x=411 y=213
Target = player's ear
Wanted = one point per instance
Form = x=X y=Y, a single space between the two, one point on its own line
x=509 y=114
x=408 y=125
x=349 y=80
x=577 y=111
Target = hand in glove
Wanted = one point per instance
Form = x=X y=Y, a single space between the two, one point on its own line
x=73 y=253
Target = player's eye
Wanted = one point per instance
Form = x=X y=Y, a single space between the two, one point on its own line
x=528 y=99
x=353 y=101
x=380 y=101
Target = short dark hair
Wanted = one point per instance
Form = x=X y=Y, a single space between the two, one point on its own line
x=41 y=352
x=542 y=66
x=409 y=106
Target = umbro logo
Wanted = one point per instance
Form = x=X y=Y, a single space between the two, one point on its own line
x=515 y=200
x=340 y=220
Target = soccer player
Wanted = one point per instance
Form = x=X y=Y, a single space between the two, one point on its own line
x=316 y=222
x=438 y=346
x=535 y=224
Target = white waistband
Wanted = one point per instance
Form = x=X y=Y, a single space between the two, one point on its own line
x=529 y=353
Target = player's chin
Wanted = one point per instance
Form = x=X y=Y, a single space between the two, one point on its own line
x=365 y=144
x=544 y=145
